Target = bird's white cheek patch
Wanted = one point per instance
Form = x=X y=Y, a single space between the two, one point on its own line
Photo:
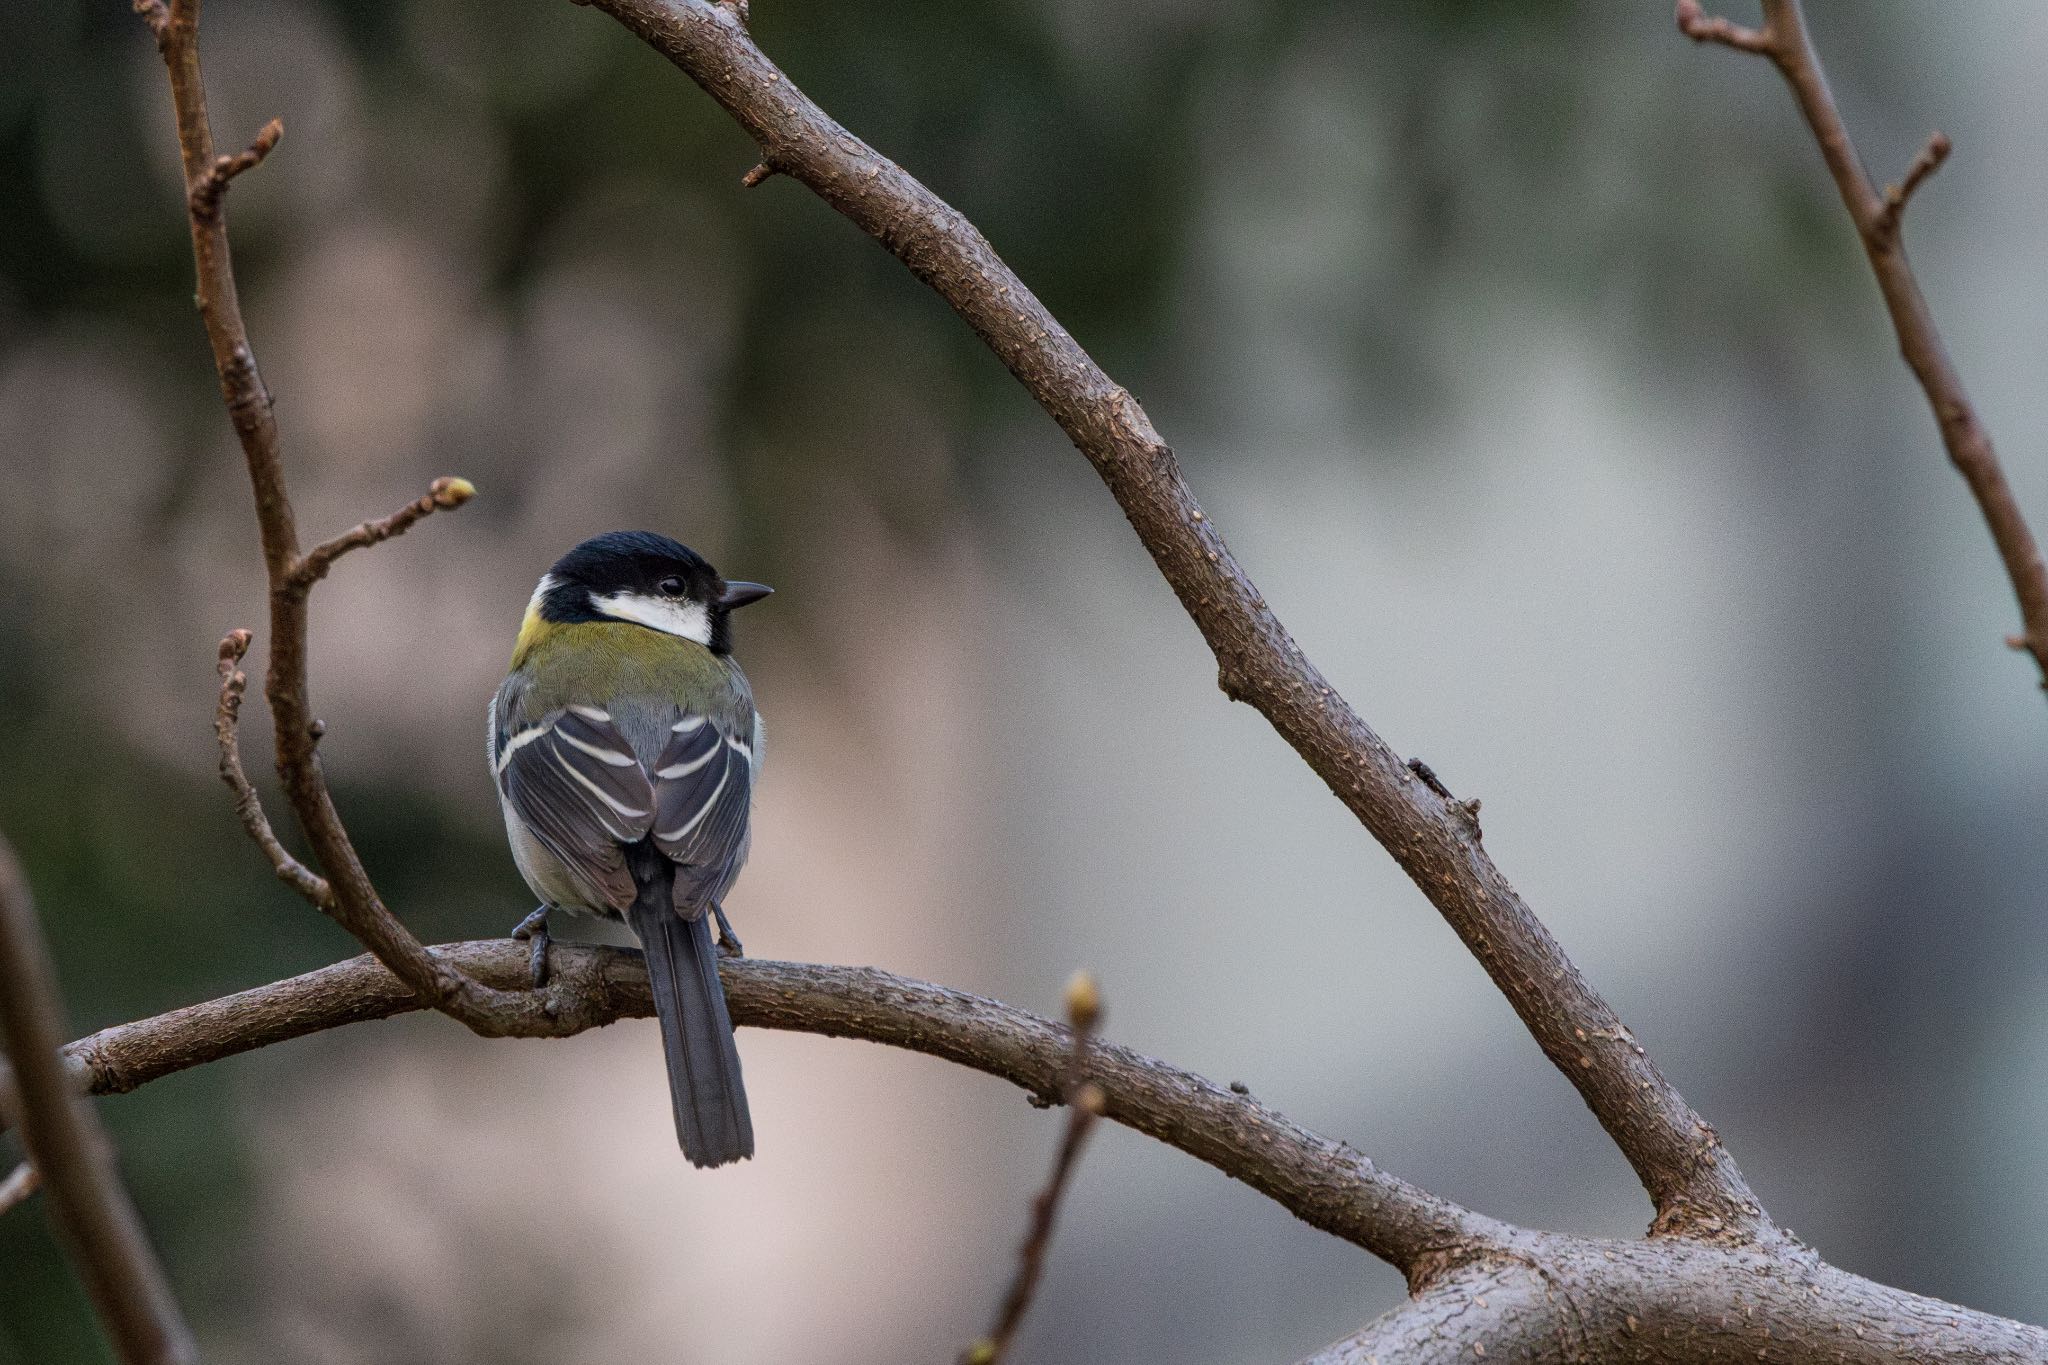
x=667 y=614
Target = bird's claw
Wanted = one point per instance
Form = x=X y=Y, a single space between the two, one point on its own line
x=728 y=941
x=535 y=929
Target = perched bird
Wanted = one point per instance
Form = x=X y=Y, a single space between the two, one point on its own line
x=625 y=745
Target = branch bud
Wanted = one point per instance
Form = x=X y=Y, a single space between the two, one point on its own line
x=1084 y=1001
x=451 y=492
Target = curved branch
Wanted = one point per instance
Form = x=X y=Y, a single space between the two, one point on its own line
x=1691 y=1179
x=1510 y=1293
x=71 y=1153
x=1784 y=39
x=1324 y=1183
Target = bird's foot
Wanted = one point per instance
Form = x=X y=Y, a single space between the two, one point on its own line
x=728 y=941
x=535 y=928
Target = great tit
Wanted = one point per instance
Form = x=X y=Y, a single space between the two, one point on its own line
x=625 y=745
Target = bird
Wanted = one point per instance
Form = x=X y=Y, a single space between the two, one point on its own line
x=625 y=745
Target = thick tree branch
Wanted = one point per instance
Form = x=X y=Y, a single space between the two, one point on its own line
x=1512 y=1294
x=1550 y=1299
x=349 y=895
x=71 y=1154
x=1324 y=1183
x=1691 y=1179
x=1784 y=39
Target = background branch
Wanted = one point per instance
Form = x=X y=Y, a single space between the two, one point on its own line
x=70 y=1153
x=1692 y=1181
x=1784 y=39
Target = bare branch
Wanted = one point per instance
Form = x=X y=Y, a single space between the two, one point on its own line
x=203 y=202
x=1694 y=24
x=63 y=1138
x=1895 y=196
x=1691 y=1179
x=1784 y=39
x=1514 y=1294
x=1084 y=1100
x=1556 y=1300
x=760 y=172
x=352 y=898
x=18 y=1186
x=1324 y=1183
x=444 y=494
x=248 y=805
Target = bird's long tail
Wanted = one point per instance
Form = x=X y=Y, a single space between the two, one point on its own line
x=696 y=1032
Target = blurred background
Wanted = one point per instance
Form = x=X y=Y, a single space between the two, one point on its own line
x=1524 y=354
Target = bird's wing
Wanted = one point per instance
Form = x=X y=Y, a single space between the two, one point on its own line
x=703 y=788
x=574 y=781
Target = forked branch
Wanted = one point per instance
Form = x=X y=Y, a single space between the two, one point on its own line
x=345 y=890
x=1785 y=40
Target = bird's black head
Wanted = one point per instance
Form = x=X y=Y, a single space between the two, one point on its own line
x=647 y=579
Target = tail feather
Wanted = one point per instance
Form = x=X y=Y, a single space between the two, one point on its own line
x=704 y=1083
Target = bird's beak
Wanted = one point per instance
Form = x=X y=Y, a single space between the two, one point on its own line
x=739 y=594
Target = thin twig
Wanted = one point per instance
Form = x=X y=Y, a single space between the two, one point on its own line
x=1085 y=1103
x=1895 y=196
x=248 y=805
x=352 y=898
x=1694 y=24
x=17 y=1187
x=1691 y=1179
x=443 y=494
x=72 y=1154
x=1785 y=40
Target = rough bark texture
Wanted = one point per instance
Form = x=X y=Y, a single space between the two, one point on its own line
x=1481 y=1288
x=1324 y=1183
x=1553 y=1300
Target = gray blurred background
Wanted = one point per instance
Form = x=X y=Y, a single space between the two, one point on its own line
x=1522 y=351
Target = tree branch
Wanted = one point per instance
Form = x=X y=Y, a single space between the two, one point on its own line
x=1550 y=1299
x=1784 y=40
x=1691 y=1179
x=444 y=494
x=1538 y=1296
x=69 y=1151
x=227 y=717
x=1324 y=1183
x=350 y=896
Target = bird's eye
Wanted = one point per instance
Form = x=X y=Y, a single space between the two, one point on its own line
x=671 y=586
